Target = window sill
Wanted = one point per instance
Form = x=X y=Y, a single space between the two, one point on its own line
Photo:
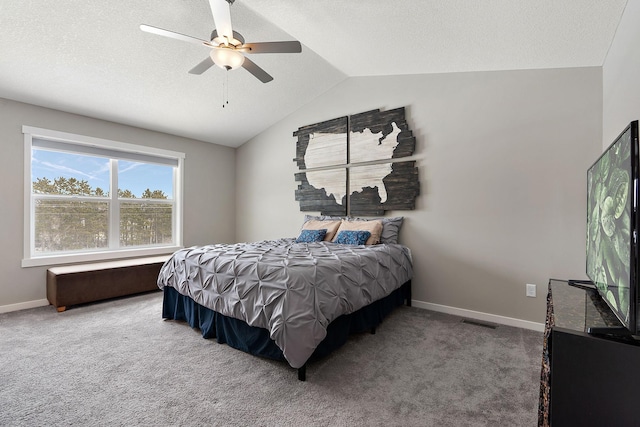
x=97 y=256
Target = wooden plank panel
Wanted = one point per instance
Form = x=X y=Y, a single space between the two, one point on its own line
x=379 y=135
x=326 y=149
x=371 y=176
x=304 y=134
x=366 y=146
x=332 y=187
x=401 y=187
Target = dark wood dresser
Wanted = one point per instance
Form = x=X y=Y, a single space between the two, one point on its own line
x=586 y=379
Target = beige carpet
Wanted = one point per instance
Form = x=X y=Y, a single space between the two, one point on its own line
x=119 y=363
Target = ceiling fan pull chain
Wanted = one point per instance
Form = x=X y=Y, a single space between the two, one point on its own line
x=225 y=81
x=225 y=89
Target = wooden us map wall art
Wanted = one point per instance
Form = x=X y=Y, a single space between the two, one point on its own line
x=353 y=165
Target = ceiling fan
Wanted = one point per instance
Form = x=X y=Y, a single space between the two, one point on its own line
x=228 y=47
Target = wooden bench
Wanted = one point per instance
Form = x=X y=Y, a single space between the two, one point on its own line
x=82 y=283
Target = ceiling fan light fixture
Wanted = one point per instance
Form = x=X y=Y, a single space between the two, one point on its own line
x=227 y=58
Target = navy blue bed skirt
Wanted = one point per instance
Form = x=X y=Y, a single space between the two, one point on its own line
x=254 y=340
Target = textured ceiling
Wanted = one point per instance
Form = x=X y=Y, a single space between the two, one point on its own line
x=89 y=57
x=386 y=37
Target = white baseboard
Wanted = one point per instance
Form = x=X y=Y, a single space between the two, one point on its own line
x=23 y=305
x=478 y=315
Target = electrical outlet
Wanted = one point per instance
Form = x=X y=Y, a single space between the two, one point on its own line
x=531 y=290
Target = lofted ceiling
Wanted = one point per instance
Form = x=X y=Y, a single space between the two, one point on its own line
x=89 y=57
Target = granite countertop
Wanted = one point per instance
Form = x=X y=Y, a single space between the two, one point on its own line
x=579 y=307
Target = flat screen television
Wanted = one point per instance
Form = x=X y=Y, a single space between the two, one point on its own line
x=612 y=227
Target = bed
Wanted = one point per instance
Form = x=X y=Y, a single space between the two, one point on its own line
x=290 y=299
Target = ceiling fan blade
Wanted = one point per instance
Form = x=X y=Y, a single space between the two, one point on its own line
x=273 y=47
x=174 y=35
x=258 y=72
x=202 y=66
x=222 y=18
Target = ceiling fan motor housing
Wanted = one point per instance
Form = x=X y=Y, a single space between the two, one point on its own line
x=236 y=41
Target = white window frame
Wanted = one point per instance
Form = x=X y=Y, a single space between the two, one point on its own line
x=31 y=259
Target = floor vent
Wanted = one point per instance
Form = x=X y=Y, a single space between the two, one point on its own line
x=478 y=323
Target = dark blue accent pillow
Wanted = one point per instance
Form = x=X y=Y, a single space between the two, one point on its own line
x=308 y=236
x=352 y=237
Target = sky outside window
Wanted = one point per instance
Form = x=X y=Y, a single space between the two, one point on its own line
x=133 y=176
x=54 y=164
x=137 y=177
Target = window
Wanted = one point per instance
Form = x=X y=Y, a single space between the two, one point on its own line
x=93 y=199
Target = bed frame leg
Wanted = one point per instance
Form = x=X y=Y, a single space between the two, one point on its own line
x=408 y=292
x=373 y=330
x=302 y=372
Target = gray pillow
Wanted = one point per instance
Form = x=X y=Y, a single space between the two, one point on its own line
x=391 y=229
x=390 y=226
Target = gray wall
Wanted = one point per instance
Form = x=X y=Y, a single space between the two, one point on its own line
x=209 y=188
x=621 y=76
x=502 y=159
